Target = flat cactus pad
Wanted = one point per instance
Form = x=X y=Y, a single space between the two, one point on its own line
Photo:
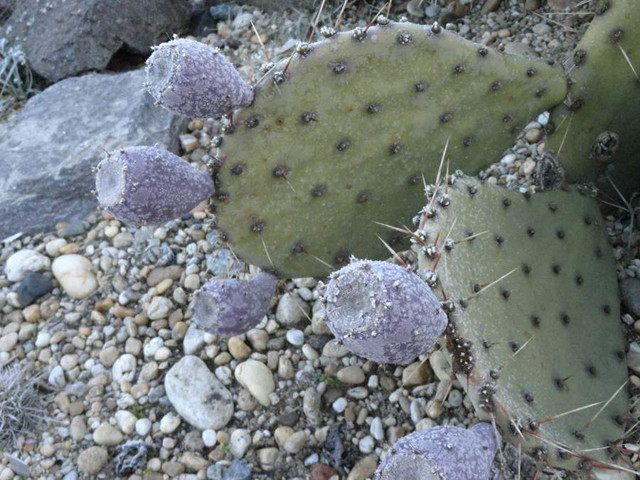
x=340 y=136
x=534 y=324
x=598 y=127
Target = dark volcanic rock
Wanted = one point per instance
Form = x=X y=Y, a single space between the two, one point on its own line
x=48 y=149
x=83 y=35
x=32 y=287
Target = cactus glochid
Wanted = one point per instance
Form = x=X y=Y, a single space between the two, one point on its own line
x=148 y=185
x=442 y=453
x=535 y=329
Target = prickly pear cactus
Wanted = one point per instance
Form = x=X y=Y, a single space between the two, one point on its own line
x=148 y=185
x=229 y=306
x=598 y=125
x=383 y=312
x=194 y=79
x=534 y=314
x=442 y=453
x=340 y=136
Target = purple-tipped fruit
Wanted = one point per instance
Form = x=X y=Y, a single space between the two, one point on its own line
x=383 y=312
x=196 y=80
x=442 y=453
x=230 y=307
x=148 y=185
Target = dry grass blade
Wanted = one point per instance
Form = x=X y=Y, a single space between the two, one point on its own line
x=264 y=49
x=21 y=405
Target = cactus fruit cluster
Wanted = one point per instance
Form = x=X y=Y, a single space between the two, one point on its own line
x=338 y=138
x=442 y=453
x=383 y=312
x=530 y=287
x=337 y=141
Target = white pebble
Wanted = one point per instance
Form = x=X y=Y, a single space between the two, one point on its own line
x=543 y=118
x=152 y=347
x=143 y=426
x=23 y=262
x=258 y=379
x=295 y=337
x=239 y=442
x=508 y=159
x=366 y=444
x=169 y=423
x=209 y=438
x=376 y=429
x=340 y=404
x=75 y=275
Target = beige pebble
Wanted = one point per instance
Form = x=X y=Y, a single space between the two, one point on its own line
x=282 y=434
x=534 y=135
x=75 y=275
x=192 y=282
x=238 y=349
x=32 y=313
x=351 y=375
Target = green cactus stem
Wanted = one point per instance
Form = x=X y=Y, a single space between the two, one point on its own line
x=598 y=126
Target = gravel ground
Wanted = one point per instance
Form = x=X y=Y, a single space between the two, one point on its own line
x=118 y=359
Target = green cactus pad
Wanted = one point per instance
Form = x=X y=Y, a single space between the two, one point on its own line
x=342 y=139
x=558 y=309
x=598 y=127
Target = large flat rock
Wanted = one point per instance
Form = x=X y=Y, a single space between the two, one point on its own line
x=62 y=38
x=48 y=149
x=197 y=395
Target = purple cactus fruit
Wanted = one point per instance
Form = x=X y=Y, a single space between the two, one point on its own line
x=442 y=453
x=228 y=306
x=196 y=80
x=148 y=185
x=383 y=312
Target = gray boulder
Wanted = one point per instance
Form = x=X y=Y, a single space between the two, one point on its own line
x=48 y=149
x=62 y=38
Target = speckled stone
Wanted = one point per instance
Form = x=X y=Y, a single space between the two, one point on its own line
x=197 y=395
